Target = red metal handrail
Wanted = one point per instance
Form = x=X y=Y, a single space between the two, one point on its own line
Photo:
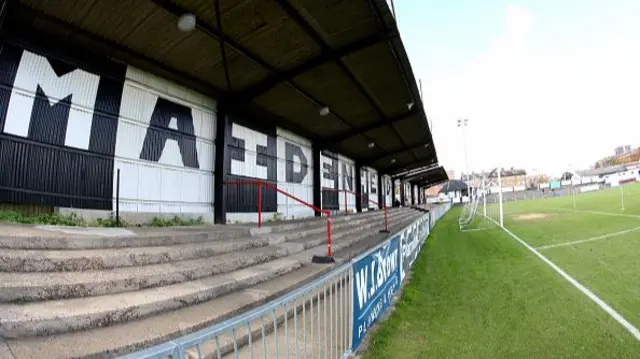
x=346 y=205
x=271 y=186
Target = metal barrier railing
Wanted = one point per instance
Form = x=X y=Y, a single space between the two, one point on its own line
x=266 y=185
x=327 y=318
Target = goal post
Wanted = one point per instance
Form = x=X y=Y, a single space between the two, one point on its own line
x=475 y=213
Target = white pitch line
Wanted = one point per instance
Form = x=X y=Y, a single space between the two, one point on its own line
x=475 y=229
x=597 y=212
x=605 y=236
x=615 y=315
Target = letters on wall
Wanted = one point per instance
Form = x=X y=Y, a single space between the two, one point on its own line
x=388 y=190
x=275 y=156
x=66 y=130
x=58 y=130
x=337 y=182
x=165 y=147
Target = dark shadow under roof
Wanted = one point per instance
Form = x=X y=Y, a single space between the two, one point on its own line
x=427 y=176
x=274 y=62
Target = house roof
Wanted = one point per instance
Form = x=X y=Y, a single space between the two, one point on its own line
x=275 y=62
x=453 y=185
x=507 y=173
x=602 y=171
x=428 y=177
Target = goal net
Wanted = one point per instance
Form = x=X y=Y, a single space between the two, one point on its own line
x=477 y=208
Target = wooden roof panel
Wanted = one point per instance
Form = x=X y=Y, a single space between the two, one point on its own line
x=385 y=137
x=328 y=85
x=284 y=101
x=340 y=22
x=410 y=129
x=382 y=77
x=358 y=146
x=260 y=26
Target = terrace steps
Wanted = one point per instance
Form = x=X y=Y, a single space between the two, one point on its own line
x=112 y=302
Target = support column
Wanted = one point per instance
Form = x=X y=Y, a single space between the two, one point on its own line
x=317 y=178
x=393 y=193
x=413 y=194
x=220 y=167
x=358 y=187
x=381 y=192
x=403 y=201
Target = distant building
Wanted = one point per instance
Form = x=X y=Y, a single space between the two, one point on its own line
x=622 y=150
x=510 y=177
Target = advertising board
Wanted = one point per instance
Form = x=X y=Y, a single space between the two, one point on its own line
x=376 y=280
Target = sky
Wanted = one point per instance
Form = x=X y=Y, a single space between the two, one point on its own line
x=546 y=85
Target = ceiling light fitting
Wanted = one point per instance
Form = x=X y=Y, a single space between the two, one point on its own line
x=187 y=22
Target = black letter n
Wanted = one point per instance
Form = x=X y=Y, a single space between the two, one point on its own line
x=159 y=132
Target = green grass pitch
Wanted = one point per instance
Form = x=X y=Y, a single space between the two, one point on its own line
x=482 y=294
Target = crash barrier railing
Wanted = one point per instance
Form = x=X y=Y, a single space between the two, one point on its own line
x=260 y=185
x=327 y=318
x=362 y=198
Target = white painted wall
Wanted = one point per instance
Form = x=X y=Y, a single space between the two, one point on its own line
x=388 y=185
x=288 y=207
x=165 y=186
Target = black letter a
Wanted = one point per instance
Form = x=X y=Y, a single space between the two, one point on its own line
x=159 y=132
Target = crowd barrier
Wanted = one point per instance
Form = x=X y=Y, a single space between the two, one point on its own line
x=327 y=318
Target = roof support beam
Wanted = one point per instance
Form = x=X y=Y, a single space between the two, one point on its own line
x=368 y=160
x=394 y=170
x=326 y=49
x=223 y=51
x=324 y=58
x=358 y=130
x=410 y=175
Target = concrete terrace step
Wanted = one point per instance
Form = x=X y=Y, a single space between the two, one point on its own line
x=21 y=260
x=56 y=237
x=60 y=316
x=86 y=238
x=21 y=287
x=122 y=338
x=321 y=221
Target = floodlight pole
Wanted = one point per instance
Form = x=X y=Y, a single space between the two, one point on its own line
x=484 y=197
x=463 y=125
x=573 y=189
x=500 y=197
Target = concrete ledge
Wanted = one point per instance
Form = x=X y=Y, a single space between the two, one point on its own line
x=40 y=239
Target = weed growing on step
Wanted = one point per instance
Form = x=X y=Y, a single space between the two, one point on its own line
x=72 y=219
x=277 y=217
x=54 y=219
x=175 y=221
